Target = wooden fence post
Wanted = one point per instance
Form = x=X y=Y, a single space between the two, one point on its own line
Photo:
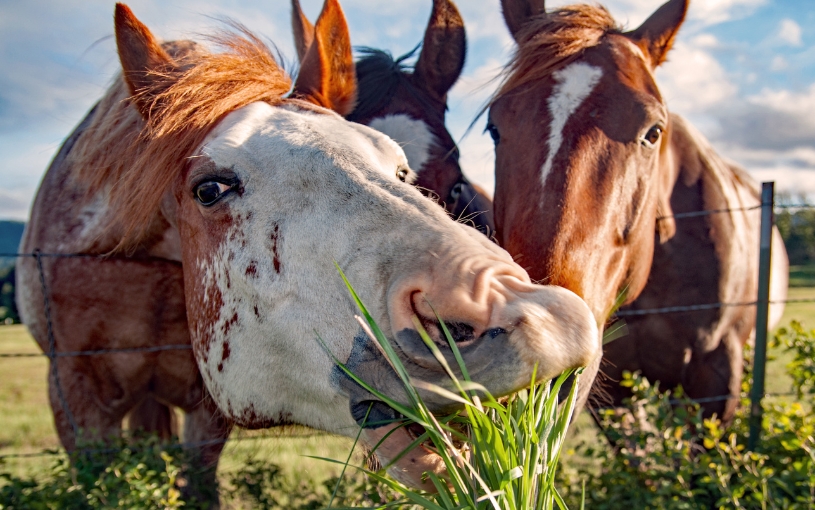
x=762 y=311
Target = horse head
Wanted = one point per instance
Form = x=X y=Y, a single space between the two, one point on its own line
x=264 y=193
x=584 y=168
x=410 y=107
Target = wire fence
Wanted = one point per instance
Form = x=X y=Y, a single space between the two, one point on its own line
x=52 y=353
x=190 y=445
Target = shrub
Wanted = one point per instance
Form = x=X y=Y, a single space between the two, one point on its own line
x=797 y=228
x=142 y=473
x=668 y=457
x=8 y=308
x=262 y=486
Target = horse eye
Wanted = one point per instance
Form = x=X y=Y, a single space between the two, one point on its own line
x=652 y=136
x=402 y=174
x=496 y=136
x=209 y=192
x=455 y=192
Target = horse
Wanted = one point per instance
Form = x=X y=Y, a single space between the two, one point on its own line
x=410 y=107
x=591 y=169
x=202 y=203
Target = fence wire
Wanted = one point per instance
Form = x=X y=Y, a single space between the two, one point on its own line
x=196 y=444
x=53 y=354
x=97 y=352
x=709 y=306
x=707 y=212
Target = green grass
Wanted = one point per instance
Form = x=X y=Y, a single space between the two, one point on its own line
x=25 y=416
x=777 y=380
x=802 y=276
x=509 y=451
x=803 y=312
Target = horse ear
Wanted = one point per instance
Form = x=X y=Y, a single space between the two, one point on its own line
x=668 y=174
x=443 y=50
x=518 y=12
x=302 y=28
x=666 y=224
x=656 y=35
x=327 y=76
x=141 y=56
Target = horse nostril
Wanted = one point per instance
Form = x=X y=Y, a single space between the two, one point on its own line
x=494 y=332
x=461 y=332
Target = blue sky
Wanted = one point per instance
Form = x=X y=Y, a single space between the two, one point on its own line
x=742 y=70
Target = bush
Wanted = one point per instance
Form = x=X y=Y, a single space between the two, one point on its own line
x=262 y=486
x=8 y=308
x=797 y=228
x=143 y=473
x=668 y=457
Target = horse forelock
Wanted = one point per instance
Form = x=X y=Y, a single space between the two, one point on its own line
x=379 y=77
x=552 y=41
x=137 y=159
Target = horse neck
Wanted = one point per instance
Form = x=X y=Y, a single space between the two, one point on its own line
x=708 y=182
x=96 y=155
x=726 y=185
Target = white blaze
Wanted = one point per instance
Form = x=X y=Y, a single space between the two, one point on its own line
x=574 y=84
x=412 y=135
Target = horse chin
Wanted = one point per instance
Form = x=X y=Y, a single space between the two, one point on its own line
x=410 y=468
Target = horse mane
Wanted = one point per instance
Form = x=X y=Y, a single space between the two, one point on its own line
x=137 y=160
x=379 y=76
x=553 y=40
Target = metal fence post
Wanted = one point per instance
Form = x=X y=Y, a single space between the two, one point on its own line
x=762 y=311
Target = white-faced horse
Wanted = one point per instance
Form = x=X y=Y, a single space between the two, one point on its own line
x=224 y=204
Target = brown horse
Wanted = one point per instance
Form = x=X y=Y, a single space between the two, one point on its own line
x=410 y=107
x=590 y=168
x=224 y=204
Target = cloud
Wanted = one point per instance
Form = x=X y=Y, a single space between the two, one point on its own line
x=14 y=204
x=790 y=180
x=478 y=159
x=470 y=94
x=778 y=120
x=693 y=82
x=631 y=13
x=792 y=170
x=779 y=63
x=789 y=32
x=711 y=12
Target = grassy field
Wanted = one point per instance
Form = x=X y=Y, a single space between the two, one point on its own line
x=26 y=425
x=802 y=276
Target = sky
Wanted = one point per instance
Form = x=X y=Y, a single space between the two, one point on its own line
x=743 y=71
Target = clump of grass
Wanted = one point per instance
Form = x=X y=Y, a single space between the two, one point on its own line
x=499 y=455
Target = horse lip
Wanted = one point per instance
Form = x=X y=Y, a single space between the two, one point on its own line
x=395 y=441
x=372 y=414
x=368 y=362
x=479 y=356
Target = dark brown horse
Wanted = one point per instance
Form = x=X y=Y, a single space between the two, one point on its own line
x=224 y=202
x=590 y=168
x=410 y=107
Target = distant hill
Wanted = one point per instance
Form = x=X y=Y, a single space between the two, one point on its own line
x=10 y=234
